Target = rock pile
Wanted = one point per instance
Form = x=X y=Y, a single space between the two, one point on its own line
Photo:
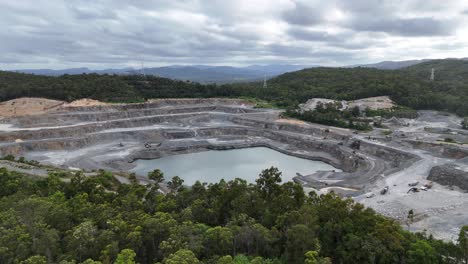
x=449 y=174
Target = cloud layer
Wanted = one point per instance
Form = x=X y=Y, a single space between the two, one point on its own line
x=118 y=33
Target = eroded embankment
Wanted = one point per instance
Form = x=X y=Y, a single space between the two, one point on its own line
x=441 y=149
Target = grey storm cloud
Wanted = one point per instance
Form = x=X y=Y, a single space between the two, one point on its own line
x=424 y=26
x=316 y=35
x=303 y=15
x=329 y=54
x=114 y=33
x=400 y=18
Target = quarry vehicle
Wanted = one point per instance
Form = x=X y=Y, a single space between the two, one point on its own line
x=384 y=190
x=356 y=144
x=428 y=185
x=423 y=188
x=150 y=145
x=370 y=195
x=411 y=184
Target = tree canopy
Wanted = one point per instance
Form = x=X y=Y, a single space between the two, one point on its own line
x=409 y=86
x=99 y=220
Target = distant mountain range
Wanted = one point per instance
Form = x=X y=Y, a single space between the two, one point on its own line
x=219 y=74
x=50 y=72
x=195 y=73
x=391 y=65
x=394 y=65
x=409 y=86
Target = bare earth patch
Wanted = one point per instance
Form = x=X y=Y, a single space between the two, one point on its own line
x=84 y=102
x=28 y=106
x=291 y=121
x=33 y=106
x=374 y=103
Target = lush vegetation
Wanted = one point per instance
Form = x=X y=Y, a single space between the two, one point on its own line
x=409 y=87
x=332 y=115
x=66 y=87
x=99 y=220
x=465 y=123
x=20 y=160
x=110 y=88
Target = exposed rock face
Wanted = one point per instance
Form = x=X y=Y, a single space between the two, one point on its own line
x=109 y=136
x=440 y=149
x=373 y=103
x=311 y=104
x=449 y=174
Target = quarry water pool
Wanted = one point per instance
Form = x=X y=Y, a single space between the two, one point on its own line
x=214 y=165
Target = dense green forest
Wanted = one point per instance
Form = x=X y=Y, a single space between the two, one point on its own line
x=332 y=115
x=99 y=220
x=409 y=87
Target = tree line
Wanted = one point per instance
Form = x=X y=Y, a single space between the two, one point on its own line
x=97 y=219
x=409 y=87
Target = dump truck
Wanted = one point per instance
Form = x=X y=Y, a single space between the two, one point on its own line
x=384 y=190
x=411 y=184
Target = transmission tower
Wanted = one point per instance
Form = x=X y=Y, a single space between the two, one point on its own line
x=265 y=82
x=432 y=74
x=143 y=69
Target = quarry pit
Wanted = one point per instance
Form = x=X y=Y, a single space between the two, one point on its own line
x=114 y=136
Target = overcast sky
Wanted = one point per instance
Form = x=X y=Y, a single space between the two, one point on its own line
x=118 y=33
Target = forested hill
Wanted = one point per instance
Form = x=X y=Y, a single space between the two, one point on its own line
x=408 y=86
x=448 y=70
x=110 y=88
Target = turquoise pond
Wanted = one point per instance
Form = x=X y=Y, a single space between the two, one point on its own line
x=214 y=165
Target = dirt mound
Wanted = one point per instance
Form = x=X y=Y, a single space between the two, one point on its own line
x=374 y=103
x=28 y=106
x=84 y=102
x=291 y=121
x=449 y=175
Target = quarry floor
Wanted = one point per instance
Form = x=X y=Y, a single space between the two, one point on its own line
x=111 y=137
